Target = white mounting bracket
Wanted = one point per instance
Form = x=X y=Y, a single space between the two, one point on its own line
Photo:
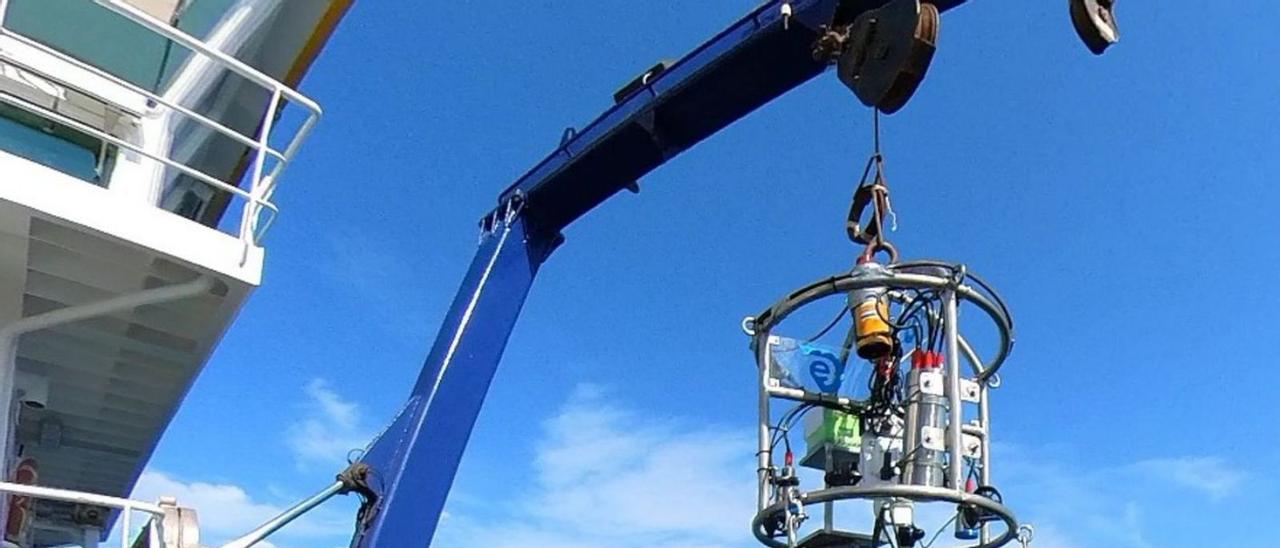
x=970 y=391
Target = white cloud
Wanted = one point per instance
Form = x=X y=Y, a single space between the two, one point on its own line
x=226 y=511
x=604 y=477
x=607 y=476
x=330 y=431
x=635 y=478
x=331 y=428
x=1069 y=506
x=1104 y=505
x=1212 y=476
x=223 y=509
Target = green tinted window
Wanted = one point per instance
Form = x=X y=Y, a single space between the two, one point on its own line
x=98 y=36
x=49 y=144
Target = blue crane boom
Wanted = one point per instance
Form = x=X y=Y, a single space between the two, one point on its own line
x=742 y=68
x=410 y=466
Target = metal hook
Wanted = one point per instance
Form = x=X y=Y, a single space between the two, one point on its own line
x=877 y=247
x=994 y=381
x=1026 y=534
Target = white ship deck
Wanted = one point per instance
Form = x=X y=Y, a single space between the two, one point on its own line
x=134 y=195
x=114 y=380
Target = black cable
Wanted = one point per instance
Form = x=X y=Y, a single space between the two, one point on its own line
x=935 y=338
x=917 y=331
x=789 y=417
x=995 y=296
x=921 y=303
x=941 y=529
x=903 y=317
x=778 y=434
x=973 y=473
x=914 y=306
x=847 y=346
x=875 y=124
x=782 y=431
x=885 y=396
x=825 y=330
x=877 y=530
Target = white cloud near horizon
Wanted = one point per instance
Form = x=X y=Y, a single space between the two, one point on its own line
x=604 y=475
x=653 y=478
x=329 y=427
x=226 y=511
x=1214 y=477
x=1096 y=504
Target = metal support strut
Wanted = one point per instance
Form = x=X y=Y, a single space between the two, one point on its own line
x=413 y=462
x=352 y=480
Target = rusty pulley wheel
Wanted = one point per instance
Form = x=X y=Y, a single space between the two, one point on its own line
x=888 y=52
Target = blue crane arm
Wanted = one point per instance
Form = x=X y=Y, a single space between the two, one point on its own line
x=410 y=467
x=745 y=66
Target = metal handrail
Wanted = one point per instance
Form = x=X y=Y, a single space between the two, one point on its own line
x=126 y=506
x=195 y=44
x=151 y=96
x=80 y=126
x=263 y=181
x=248 y=231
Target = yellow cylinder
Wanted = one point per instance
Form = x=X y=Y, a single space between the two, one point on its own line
x=875 y=337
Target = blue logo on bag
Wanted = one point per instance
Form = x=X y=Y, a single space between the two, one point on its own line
x=825 y=368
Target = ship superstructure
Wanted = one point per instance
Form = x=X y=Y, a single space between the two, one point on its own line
x=141 y=143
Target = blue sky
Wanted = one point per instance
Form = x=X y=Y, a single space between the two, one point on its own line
x=1124 y=205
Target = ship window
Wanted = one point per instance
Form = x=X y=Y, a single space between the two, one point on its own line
x=93 y=34
x=54 y=145
x=190 y=206
x=188 y=198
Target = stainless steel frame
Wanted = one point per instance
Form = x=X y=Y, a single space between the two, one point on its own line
x=954 y=290
x=913 y=492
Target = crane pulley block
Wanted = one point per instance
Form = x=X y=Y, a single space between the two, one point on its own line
x=1095 y=22
x=887 y=52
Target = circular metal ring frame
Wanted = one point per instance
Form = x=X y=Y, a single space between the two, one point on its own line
x=846 y=282
x=912 y=492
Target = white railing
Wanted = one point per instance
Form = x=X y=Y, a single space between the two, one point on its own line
x=262 y=182
x=127 y=507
